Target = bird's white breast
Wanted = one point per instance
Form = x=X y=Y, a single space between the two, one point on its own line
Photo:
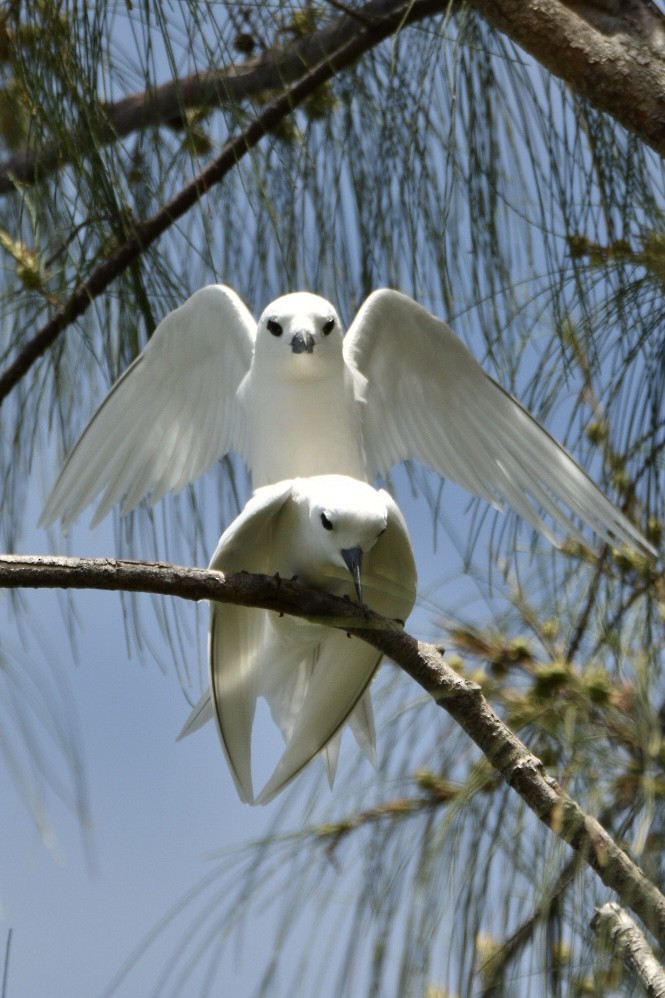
x=305 y=428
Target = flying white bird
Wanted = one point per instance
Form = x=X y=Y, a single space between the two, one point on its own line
x=335 y=534
x=294 y=398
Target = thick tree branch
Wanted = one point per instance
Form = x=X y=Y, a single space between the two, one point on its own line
x=461 y=699
x=610 y=51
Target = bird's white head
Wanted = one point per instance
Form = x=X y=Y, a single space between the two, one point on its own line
x=341 y=520
x=297 y=335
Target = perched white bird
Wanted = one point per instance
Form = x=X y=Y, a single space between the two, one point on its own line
x=333 y=533
x=295 y=399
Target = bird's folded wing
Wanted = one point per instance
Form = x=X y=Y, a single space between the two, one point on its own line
x=169 y=416
x=237 y=636
x=361 y=722
x=245 y=544
x=235 y=639
x=343 y=671
x=389 y=573
x=428 y=398
x=285 y=684
x=200 y=714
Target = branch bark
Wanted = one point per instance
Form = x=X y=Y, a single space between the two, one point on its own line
x=632 y=947
x=612 y=52
x=423 y=662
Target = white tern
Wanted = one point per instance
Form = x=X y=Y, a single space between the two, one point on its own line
x=333 y=533
x=294 y=398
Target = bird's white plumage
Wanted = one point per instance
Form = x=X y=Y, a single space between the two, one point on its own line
x=295 y=398
x=169 y=416
x=302 y=410
x=400 y=385
x=428 y=398
x=313 y=677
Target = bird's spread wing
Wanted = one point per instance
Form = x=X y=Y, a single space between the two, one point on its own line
x=238 y=635
x=169 y=416
x=343 y=670
x=428 y=398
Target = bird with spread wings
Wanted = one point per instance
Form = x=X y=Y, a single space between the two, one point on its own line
x=296 y=399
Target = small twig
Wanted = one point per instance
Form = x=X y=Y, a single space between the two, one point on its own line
x=358 y=15
x=592 y=595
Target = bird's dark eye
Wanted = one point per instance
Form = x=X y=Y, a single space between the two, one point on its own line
x=274 y=327
x=327 y=524
x=328 y=327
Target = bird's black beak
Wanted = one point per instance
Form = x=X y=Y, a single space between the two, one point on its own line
x=353 y=559
x=302 y=342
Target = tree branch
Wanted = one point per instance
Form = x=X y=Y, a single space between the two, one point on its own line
x=494 y=969
x=228 y=87
x=612 y=52
x=632 y=947
x=615 y=60
x=461 y=699
x=145 y=233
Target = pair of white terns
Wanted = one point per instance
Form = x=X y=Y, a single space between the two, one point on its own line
x=316 y=417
